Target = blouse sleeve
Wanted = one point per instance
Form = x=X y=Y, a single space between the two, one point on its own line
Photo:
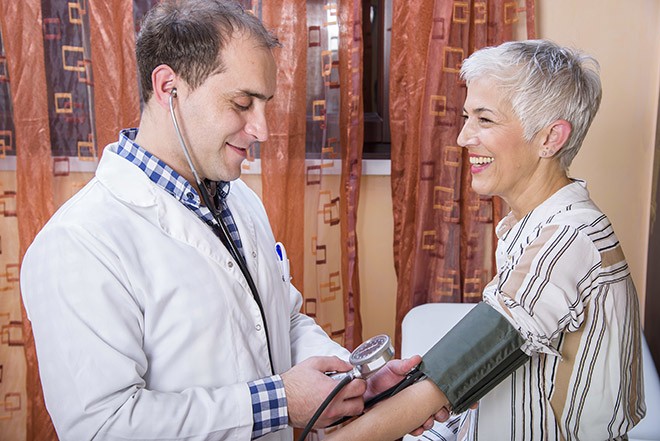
x=544 y=287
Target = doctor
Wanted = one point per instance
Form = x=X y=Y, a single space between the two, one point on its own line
x=159 y=306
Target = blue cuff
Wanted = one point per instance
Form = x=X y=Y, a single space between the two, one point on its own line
x=268 y=405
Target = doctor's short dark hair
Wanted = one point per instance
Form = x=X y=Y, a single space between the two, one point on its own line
x=190 y=35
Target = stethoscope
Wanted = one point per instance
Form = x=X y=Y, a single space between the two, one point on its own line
x=366 y=359
x=226 y=236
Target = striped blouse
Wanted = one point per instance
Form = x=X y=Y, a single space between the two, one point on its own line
x=564 y=283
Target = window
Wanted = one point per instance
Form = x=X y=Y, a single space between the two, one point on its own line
x=376 y=33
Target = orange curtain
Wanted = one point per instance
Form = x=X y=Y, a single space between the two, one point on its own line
x=21 y=31
x=313 y=227
x=351 y=121
x=317 y=115
x=443 y=231
x=283 y=155
x=117 y=100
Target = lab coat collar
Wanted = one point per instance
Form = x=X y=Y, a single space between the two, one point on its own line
x=130 y=185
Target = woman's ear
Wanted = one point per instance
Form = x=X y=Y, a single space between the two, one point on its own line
x=163 y=80
x=556 y=135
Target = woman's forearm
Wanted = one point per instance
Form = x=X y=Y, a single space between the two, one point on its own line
x=394 y=417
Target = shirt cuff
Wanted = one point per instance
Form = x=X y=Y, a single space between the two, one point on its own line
x=517 y=317
x=268 y=405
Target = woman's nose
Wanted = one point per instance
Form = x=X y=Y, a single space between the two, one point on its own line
x=465 y=136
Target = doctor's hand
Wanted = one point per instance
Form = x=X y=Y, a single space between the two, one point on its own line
x=306 y=386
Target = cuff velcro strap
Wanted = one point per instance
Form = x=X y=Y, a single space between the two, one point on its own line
x=474 y=356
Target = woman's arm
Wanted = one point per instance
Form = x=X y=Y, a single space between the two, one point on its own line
x=396 y=416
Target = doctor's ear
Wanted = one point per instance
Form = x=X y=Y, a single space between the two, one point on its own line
x=163 y=80
x=556 y=135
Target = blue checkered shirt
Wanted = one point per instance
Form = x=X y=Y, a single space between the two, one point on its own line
x=268 y=400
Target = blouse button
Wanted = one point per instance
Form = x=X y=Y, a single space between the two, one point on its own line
x=258 y=327
x=230 y=264
x=254 y=254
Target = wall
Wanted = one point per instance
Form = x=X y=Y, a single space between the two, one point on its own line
x=617 y=157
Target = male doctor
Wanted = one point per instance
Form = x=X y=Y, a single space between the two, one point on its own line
x=157 y=300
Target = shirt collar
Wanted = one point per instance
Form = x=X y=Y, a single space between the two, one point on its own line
x=561 y=200
x=165 y=176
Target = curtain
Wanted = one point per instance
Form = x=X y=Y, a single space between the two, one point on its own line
x=321 y=122
x=55 y=122
x=443 y=232
x=320 y=159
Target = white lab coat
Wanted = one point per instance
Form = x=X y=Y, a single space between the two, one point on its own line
x=144 y=326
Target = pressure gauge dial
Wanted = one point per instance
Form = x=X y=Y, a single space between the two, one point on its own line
x=372 y=355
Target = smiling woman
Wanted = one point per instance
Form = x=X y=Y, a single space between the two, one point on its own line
x=563 y=294
x=503 y=162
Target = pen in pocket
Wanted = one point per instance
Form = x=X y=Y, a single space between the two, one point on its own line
x=284 y=261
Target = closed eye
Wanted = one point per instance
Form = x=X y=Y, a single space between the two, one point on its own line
x=242 y=108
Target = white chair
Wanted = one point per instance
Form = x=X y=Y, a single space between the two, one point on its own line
x=649 y=428
x=423 y=326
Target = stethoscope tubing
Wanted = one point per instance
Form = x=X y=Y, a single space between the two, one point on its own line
x=226 y=239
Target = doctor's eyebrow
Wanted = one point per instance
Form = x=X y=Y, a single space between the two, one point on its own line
x=257 y=95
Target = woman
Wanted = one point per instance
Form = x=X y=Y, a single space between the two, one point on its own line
x=562 y=283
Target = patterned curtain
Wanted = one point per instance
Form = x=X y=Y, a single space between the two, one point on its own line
x=312 y=204
x=443 y=231
x=54 y=124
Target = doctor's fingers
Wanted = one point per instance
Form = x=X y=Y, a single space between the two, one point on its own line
x=341 y=406
x=355 y=389
x=442 y=415
x=327 y=364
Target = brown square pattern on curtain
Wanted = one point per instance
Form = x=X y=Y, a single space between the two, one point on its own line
x=54 y=52
x=311 y=164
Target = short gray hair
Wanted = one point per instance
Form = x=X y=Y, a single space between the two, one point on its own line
x=543 y=82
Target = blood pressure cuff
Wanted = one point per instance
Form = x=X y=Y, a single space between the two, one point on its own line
x=474 y=357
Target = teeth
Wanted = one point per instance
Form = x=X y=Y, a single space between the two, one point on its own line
x=480 y=160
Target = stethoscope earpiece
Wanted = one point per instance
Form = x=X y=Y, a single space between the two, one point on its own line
x=173 y=92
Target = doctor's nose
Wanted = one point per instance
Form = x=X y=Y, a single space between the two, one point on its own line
x=257 y=126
